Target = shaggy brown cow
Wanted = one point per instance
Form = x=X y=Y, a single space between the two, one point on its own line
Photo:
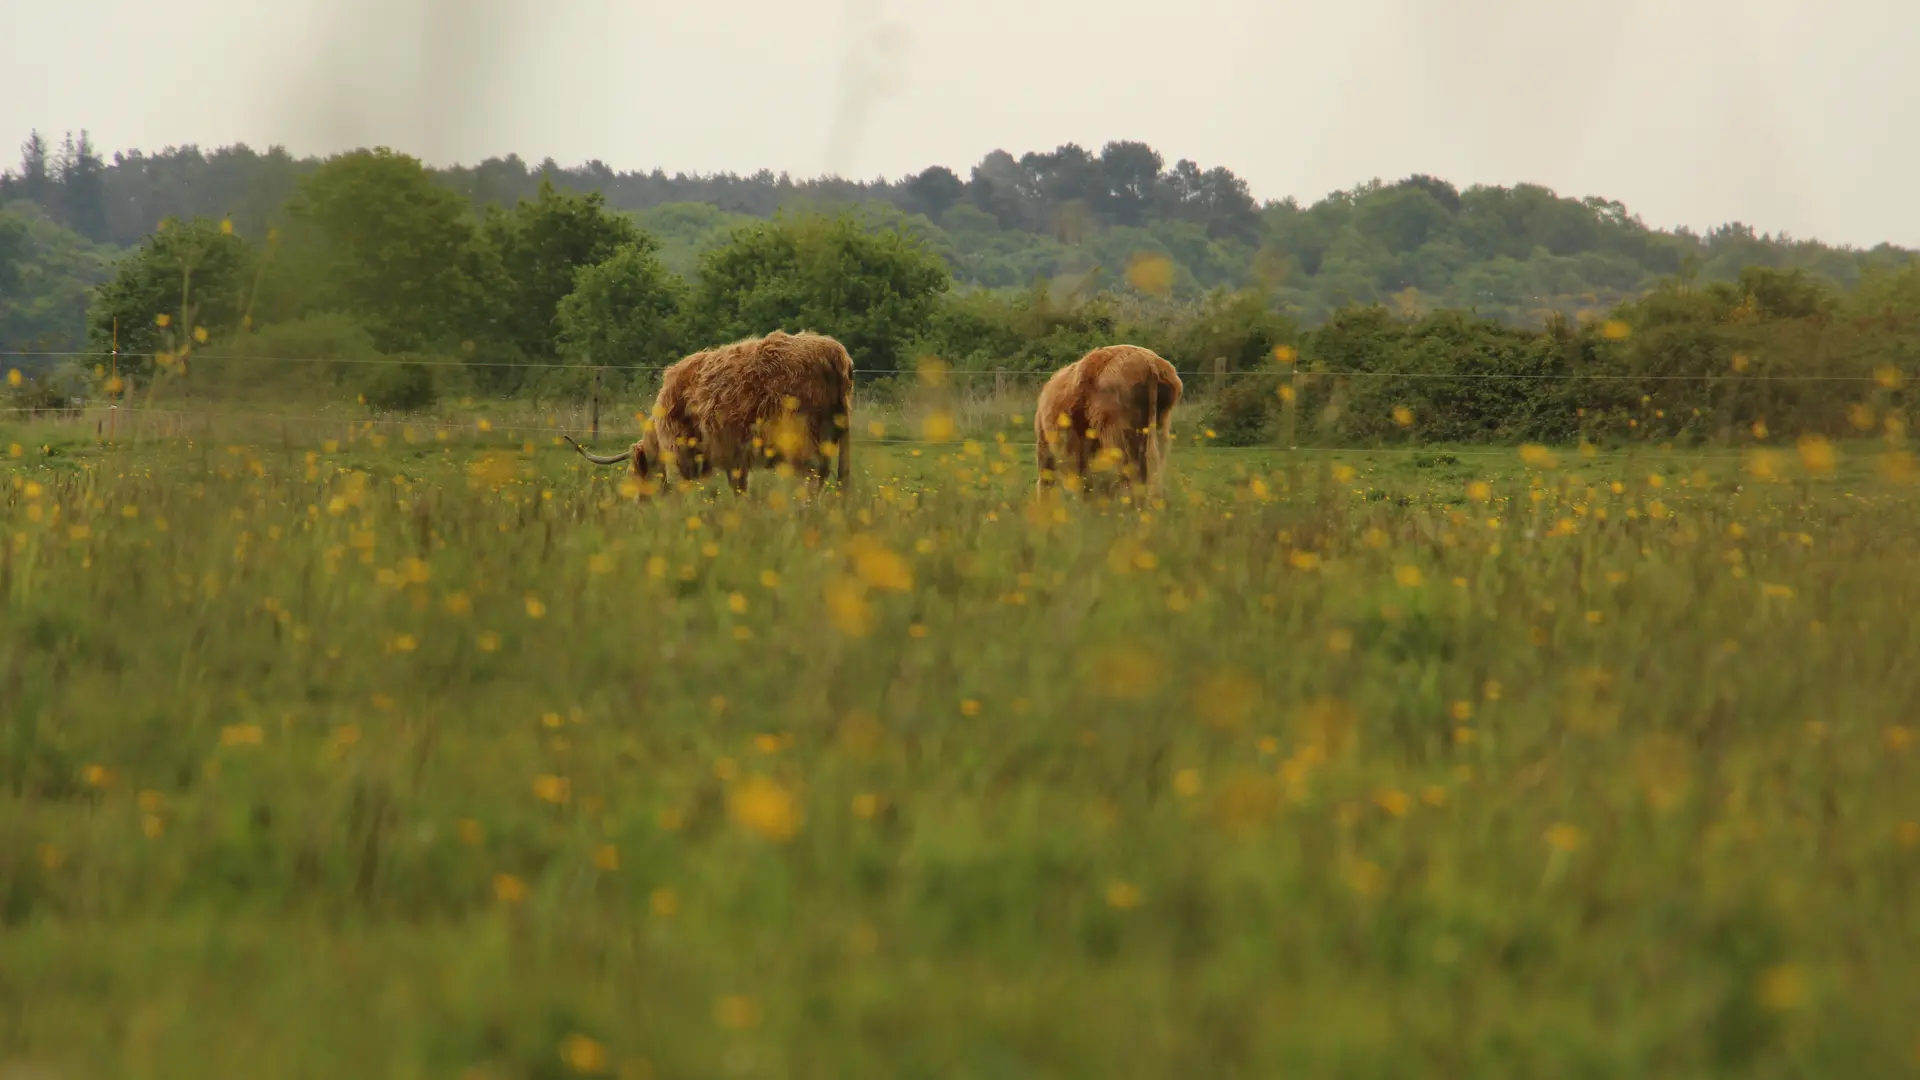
x=783 y=398
x=1110 y=410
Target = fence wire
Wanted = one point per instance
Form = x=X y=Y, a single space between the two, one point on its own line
x=356 y=428
x=1302 y=372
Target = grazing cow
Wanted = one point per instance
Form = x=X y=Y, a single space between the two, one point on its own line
x=1110 y=410
x=784 y=398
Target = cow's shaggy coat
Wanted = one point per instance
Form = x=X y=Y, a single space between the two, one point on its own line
x=761 y=402
x=1107 y=414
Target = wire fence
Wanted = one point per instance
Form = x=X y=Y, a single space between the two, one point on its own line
x=963 y=373
x=891 y=407
x=133 y=424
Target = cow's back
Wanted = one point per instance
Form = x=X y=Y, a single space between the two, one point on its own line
x=750 y=380
x=1118 y=396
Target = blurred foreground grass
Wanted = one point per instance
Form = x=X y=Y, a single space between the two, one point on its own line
x=446 y=761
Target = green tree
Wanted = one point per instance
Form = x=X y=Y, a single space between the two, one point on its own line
x=195 y=274
x=1028 y=331
x=1402 y=218
x=687 y=231
x=1239 y=327
x=35 y=180
x=1457 y=378
x=13 y=252
x=1132 y=174
x=47 y=278
x=538 y=248
x=935 y=191
x=381 y=239
x=875 y=291
x=80 y=174
x=623 y=311
x=1785 y=294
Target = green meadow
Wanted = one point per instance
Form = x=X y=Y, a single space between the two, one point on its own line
x=395 y=753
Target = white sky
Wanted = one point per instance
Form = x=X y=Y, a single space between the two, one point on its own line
x=1786 y=114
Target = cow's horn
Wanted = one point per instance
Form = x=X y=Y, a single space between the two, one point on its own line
x=599 y=459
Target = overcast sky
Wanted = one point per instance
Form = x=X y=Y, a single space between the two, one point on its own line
x=1786 y=114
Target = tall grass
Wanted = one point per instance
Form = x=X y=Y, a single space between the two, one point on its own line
x=444 y=759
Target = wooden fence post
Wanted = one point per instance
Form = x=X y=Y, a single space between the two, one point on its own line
x=113 y=414
x=594 y=406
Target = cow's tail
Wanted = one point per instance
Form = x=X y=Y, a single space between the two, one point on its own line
x=1166 y=395
x=599 y=459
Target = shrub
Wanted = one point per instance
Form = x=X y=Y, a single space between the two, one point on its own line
x=1242 y=413
x=402 y=387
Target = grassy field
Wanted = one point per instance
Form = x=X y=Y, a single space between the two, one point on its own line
x=382 y=758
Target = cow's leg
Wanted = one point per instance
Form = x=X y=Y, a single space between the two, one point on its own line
x=830 y=438
x=1081 y=448
x=1045 y=459
x=843 y=445
x=1161 y=442
x=817 y=467
x=1115 y=436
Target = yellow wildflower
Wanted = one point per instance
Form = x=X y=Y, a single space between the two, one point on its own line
x=761 y=805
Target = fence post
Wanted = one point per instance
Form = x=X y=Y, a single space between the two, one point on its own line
x=1293 y=411
x=113 y=428
x=1219 y=374
x=594 y=406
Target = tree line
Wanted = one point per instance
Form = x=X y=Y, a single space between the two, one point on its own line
x=372 y=256
x=1518 y=254
x=1127 y=183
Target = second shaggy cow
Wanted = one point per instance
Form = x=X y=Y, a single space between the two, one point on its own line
x=761 y=402
x=1109 y=413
